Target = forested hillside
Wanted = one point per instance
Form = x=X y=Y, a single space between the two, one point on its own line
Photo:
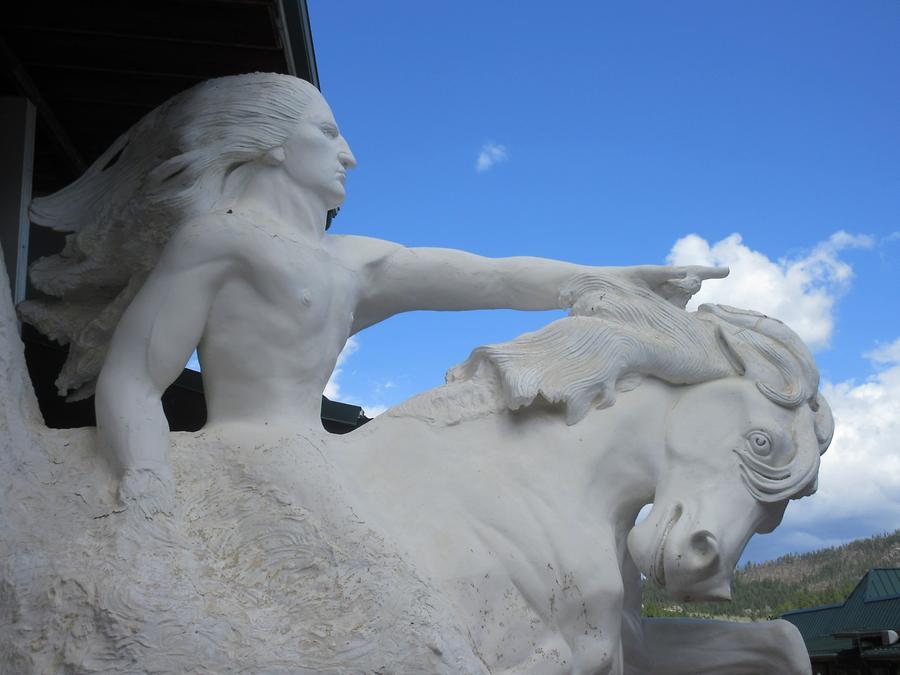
x=791 y=582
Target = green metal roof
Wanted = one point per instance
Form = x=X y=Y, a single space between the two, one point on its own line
x=873 y=605
x=883 y=584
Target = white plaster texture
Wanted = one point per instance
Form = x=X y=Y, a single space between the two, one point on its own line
x=452 y=534
x=485 y=526
x=204 y=226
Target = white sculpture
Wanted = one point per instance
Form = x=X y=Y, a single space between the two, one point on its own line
x=207 y=221
x=485 y=526
x=527 y=522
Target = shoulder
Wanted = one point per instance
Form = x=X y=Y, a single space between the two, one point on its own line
x=362 y=252
x=205 y=239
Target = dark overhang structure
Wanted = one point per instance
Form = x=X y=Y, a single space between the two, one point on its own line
x=74 y=75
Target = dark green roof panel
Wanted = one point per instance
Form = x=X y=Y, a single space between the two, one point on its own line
x=873 y=605
x=883 y=584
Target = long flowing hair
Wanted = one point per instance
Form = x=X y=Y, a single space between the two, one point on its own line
x=169 y=167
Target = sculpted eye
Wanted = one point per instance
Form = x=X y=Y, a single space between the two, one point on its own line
x=760 y=443
x=329 y=131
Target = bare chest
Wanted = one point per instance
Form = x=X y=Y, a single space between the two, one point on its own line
x=298 y=300
x=308 y=282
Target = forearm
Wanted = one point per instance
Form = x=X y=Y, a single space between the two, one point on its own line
x=446 y=279
x=132 y=430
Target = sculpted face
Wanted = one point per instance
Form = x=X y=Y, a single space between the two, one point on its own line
x=317 y=157
x=721 y=436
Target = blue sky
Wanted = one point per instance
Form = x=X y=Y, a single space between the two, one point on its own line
x=763 y=135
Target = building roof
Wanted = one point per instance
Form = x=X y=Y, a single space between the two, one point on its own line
x=92 y=69
x=873 y=606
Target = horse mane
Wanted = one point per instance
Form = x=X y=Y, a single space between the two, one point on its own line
x=617 y=333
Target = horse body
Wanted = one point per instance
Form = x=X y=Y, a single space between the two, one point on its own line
x=526 y=523
x=502 y=525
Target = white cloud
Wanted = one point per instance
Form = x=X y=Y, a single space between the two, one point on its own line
x=885 y=353
x=859 y=479
x=491 y=153
x=333 y=387
x=860 y=474
x=801 y=291
x=373 y=410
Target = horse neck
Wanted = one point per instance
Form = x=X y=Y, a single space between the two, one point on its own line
x=630 y=442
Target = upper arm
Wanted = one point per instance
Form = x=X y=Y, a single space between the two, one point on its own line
x=368 y=258
x=398 y=279
x=394 y=278
x=166 y=319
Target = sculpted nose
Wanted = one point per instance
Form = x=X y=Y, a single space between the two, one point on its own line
x=345 y=156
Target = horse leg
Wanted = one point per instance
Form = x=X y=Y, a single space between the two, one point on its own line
x=697 y=647
x=592 y=625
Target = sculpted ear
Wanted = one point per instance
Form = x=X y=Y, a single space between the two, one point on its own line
x=274 y=157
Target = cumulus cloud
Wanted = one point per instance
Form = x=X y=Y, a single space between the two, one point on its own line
x=859 y=478
x=373 y=410
x=885 y=353
x=491 y=153
x=800 y=291
x=333 y=387
x=860 y=474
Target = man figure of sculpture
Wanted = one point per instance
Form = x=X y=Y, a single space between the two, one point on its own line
x=203 y=227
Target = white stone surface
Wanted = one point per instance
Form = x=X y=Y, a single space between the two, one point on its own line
x=449 y=535
x=203 y=227
x=485 y=526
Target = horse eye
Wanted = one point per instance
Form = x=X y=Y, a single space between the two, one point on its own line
x=760 y=443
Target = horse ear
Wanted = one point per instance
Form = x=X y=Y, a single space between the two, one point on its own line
x=729 y=351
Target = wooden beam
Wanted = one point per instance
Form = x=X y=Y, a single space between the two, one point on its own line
x=29 y=90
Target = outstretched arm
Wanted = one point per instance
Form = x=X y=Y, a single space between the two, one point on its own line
x=149 y=349
x=399 y=279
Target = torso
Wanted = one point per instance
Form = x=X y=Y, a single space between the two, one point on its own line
x=276 y=328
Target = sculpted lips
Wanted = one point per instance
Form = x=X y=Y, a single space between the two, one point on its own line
x=658 y=566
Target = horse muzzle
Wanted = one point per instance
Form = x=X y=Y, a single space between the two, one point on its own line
x=684 y=559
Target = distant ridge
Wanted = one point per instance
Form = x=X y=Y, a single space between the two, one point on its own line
x=769 y=589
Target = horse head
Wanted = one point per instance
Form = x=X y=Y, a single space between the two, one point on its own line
x=737 y=450
x=743 y=432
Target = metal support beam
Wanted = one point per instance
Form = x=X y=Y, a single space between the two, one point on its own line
x=17 y=122
x=297 y=37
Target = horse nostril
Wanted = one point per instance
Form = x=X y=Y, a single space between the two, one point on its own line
x=704 y=545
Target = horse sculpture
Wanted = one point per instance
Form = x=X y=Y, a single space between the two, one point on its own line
x=527 y=522
x=486 y=526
